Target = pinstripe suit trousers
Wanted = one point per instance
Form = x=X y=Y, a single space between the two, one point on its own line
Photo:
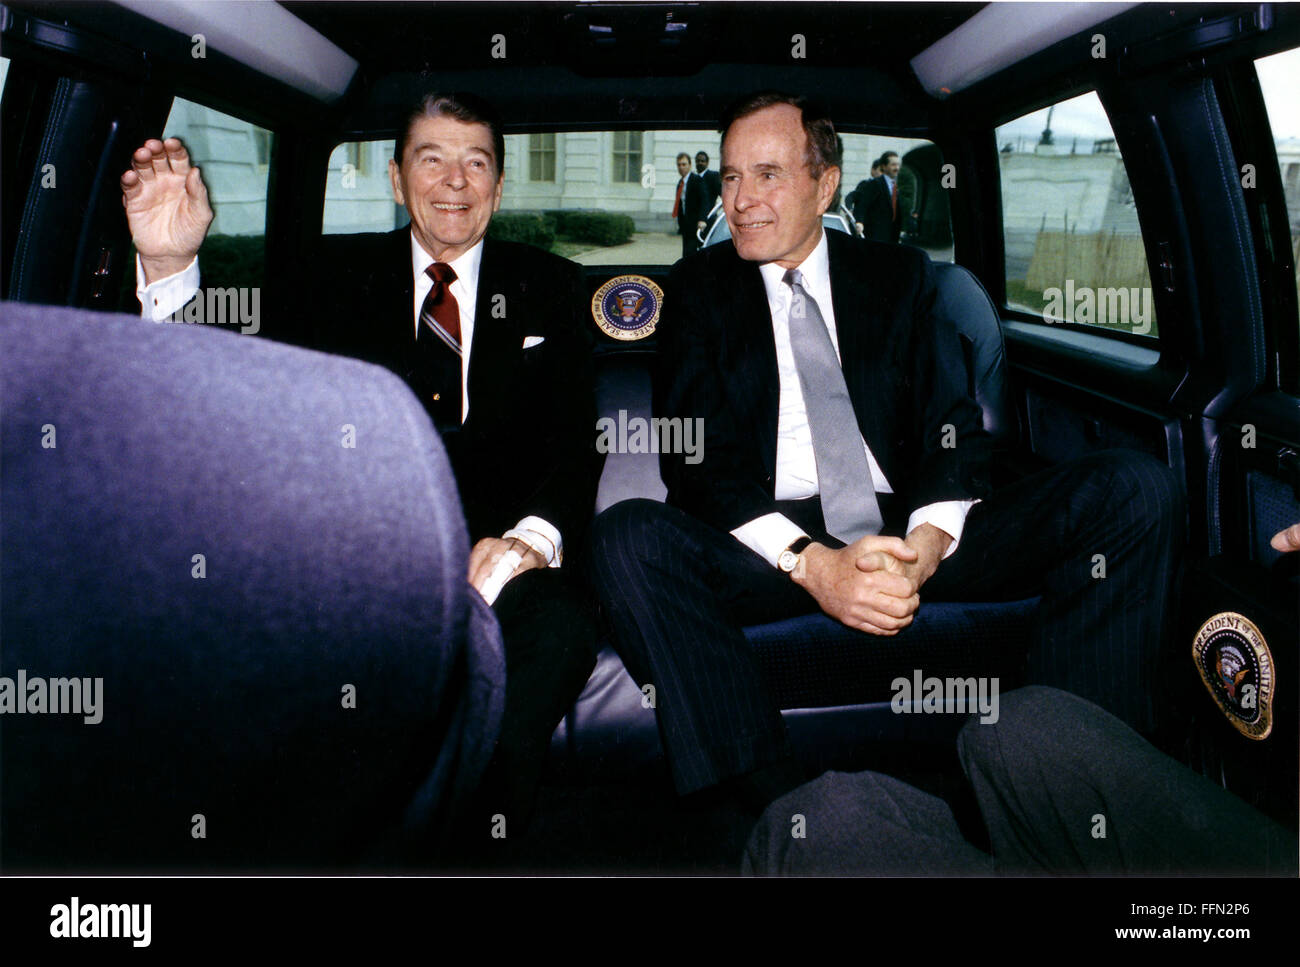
x=1096 y=538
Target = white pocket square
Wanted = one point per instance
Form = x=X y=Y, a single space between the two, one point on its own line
x=531 y=341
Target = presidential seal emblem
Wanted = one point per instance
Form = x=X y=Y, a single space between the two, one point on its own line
x=1236 y=667
x=627 y=307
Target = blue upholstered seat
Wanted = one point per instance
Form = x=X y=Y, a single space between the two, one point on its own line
x=259 y=552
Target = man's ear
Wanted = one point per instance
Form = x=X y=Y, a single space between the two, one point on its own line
x=496 y=197
x=395 y=178
x=828 y=184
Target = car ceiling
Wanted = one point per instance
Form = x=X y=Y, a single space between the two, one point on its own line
x=570 y=66
x=631 y=40
x=683 y=62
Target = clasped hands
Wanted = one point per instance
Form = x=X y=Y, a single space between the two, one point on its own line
x=874 y=583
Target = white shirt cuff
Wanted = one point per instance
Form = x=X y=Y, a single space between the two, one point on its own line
x=541 y=535
x=947 y=515
x=160 y=299
x=769 y=535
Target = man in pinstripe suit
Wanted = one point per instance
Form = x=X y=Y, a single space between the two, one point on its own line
x=784 y=516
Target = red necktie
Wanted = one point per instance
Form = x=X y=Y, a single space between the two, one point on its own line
x=440 y=310
x=893 y=199
x=436 y=367
x=677 y=204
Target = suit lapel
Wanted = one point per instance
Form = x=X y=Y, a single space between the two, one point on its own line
x=495 y=340
x=859 y=331
x=762 y=382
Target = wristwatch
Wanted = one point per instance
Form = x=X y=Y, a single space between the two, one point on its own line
x=789 y=558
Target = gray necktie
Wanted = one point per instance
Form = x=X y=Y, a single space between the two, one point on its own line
x=849 y=503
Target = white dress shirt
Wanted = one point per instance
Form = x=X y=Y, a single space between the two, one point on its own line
x=163 y=297
x=796 y=463
x=160 y=300
x=465 y=289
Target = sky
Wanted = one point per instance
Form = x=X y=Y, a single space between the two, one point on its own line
x=1279 y=77
x=1084 y=118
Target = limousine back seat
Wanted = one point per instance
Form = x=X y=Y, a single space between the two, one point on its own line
x=245 y=564
x=833 y=684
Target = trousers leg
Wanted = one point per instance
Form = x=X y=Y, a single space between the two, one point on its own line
x=548 y=627
x=690 y=245
x=1065 y=787
x=861 y=823
x=1098 y=538
x=676 y=593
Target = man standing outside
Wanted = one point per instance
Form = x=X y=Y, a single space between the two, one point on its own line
x=836 y=414
x=489 y=336
x=875 y=201
x=712 y=184
x=859 y=190
x=688 y=204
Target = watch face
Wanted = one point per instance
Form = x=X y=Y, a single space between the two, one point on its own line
x=787 y=560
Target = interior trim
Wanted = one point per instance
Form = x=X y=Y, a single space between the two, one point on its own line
x=1139 y=359
x=264 y=37
x=1000 y=35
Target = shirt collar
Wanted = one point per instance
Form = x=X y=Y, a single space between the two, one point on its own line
x=816 y=270
x=466 y=266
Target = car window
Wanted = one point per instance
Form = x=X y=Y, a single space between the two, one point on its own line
x=235 y=156
x=4 y=72
x=606 y=197
x=1279 y=80
x=358 y=196
x=1073 y=246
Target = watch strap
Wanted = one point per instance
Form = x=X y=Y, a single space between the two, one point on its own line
x=797 y=546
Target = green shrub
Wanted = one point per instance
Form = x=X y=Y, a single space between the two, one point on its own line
x=527 y=227
x=598 y=228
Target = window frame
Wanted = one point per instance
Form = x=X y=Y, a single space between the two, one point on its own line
x=360 y=148
x=1250 y=133
x=1023 y=315
x=263 y=170
x=539 y=151
x=626 y=154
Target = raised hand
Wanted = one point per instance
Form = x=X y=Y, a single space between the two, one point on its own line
x=166 y=206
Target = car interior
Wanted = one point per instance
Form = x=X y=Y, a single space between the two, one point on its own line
x=1143 y=149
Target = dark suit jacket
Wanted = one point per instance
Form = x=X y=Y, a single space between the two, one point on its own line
x=528 y=443
x=872 y=206
x=712 y=188
x=693 y=208
x=904 y=370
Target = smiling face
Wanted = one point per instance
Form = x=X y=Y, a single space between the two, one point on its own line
x=449 y=182
x=773 y=204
